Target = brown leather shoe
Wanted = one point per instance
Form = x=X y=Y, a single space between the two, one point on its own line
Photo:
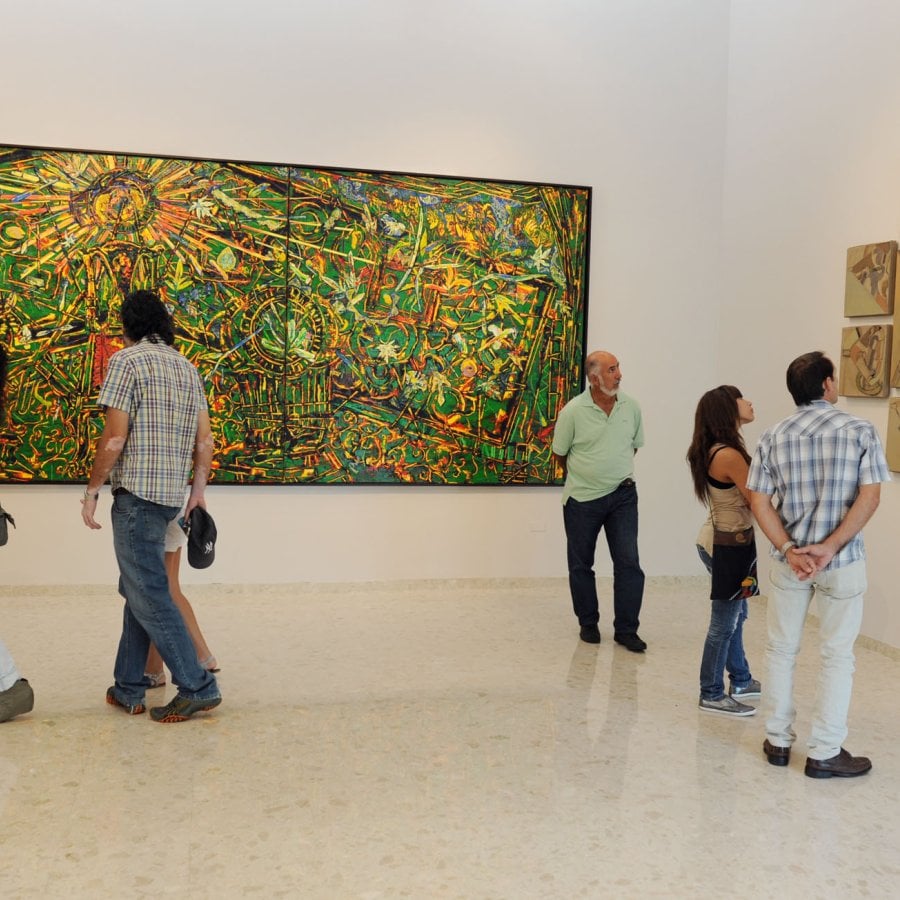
x=777 y=756
x=842 y=766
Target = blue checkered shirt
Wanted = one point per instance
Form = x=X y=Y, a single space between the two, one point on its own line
x=814 y=462
x=162 y=393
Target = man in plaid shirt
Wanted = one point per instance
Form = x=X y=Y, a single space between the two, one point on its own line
x=157 y=429
x=815 y=481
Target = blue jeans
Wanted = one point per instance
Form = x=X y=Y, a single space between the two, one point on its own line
x=724 y=646
x=617 y=515
x=139 y=529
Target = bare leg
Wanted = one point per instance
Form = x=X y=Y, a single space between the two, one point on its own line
x=154 y=664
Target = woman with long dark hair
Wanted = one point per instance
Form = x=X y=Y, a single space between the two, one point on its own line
x=719 y=463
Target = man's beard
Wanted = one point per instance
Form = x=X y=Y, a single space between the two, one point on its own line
x=609 y=392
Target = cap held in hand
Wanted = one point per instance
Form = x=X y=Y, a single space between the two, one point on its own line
x=201 y=535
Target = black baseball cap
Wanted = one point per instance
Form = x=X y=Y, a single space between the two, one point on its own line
x=201 y=535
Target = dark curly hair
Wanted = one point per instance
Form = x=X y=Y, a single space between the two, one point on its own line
x=716 y=421
x=144 y=315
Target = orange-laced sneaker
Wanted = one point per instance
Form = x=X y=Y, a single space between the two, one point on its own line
x=113 y=700
x=179 y=708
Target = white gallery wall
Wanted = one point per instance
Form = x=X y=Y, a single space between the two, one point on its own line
x=626 y=97
x=718 y=230
x=812 y=168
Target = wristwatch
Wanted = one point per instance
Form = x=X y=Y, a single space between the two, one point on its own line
x=91 y=495
x=787 y=545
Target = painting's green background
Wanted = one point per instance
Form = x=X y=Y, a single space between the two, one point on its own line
x=349 y=326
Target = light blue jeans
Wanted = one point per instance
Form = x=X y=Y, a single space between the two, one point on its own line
x=839 y=599
x=9 y=674
x=150 y=615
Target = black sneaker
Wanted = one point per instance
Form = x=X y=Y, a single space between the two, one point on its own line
x=631 y=641
x=180 y=709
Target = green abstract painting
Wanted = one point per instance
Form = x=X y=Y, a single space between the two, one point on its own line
x=350 y=326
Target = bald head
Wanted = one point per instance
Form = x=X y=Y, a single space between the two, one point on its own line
x=599 y=359
x=603 y=372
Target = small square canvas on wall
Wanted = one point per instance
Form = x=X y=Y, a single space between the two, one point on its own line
x=865 y=361
x=893 y=435
x=895 y=356
x=870 y=279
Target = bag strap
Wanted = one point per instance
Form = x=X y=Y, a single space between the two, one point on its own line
x=712 y=456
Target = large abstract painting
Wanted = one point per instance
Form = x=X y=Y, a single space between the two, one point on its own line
x=350 y=326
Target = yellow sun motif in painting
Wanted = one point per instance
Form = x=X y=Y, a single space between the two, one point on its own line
x=78 y=201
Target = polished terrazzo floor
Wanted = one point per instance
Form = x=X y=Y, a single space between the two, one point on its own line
x=428 y=740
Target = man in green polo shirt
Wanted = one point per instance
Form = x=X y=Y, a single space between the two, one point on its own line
x=595 y=439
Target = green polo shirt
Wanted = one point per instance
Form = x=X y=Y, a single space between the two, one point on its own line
x=599 y=448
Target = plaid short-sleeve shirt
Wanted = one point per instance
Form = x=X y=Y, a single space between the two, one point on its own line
x=814 y=462
x=163 y=396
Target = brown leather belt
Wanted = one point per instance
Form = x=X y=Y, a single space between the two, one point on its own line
x=733 y=538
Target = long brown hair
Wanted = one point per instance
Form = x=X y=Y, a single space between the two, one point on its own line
x=716 y=421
